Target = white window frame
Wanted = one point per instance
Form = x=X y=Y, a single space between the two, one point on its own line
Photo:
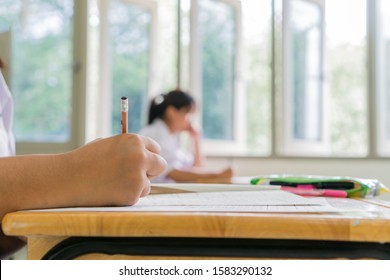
x=77 y=110
x=219 y=147
x=103 y=112
x=379 y=68
x=287 y=144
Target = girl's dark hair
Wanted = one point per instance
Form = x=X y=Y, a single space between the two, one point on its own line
x=2 y=64
x=176 y=98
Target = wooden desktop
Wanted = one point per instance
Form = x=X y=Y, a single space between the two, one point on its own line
x=205 y=235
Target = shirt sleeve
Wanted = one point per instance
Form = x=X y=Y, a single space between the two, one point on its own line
x=7 y=139
x=171 y=151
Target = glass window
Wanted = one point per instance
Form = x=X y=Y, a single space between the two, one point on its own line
x=383 y=72
x=130 y=46
x=387 y=79
x=346 y=63
x=257 y=57
x=307 y=53
x=167 y=46
x=41 y=67
x=217 y=27
x=385 y=17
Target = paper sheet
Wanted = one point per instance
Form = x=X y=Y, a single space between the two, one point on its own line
x=245 y=201
x=235 y=198
x=213 y=187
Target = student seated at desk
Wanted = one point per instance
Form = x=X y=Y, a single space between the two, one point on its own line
x=169 y=117
x=111 y=171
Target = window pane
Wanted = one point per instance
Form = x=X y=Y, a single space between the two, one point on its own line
x=130 y=44
x=307 y=54
x=217 y=25
x=385 y=18
x=387 y=59
x=346 y=53
x=167 y=47
x=41 y=65
x=257 y=55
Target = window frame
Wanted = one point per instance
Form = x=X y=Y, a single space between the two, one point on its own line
x=288 y=145
x=219 y=147
x=282 y=145
x=78 y=86
x=103 y=112
x=379 y=68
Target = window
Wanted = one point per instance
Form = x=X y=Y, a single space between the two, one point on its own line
x=271 y=77
x=346 y=54
x=303 y=94
x=40 y=40
x=130 y=47
x=257 y=56
x=125 y=46
x=325 y=78
x=218 y=29
x=166 y=72
x=307 y=70
x=383 y=62
x=216 y=41
x=230 y=63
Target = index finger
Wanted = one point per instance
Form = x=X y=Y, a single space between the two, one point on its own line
x=151 y=144
x=156 y=165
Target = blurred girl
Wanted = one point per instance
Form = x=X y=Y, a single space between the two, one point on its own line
x=7 y=140
x=170 y=116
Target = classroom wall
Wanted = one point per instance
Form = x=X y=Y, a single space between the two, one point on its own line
x=361 y=168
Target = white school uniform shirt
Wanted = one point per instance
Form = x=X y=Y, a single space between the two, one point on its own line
x=171 y=151
x=7 y=139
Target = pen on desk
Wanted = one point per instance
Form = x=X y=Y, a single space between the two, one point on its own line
x=334 y=185
x=124 y=116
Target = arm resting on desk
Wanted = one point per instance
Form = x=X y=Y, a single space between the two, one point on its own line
x=110 y=171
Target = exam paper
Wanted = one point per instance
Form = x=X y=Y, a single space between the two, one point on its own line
x=234 y=198
x=212 y=187
x=235 y=201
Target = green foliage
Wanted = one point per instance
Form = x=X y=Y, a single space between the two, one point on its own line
x=348 y=95
x=130 y=60
x=41 y=70
x=218 y=66
x=258 y=107
x=42 y=75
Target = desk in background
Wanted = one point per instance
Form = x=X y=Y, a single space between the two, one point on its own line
x=196 y=235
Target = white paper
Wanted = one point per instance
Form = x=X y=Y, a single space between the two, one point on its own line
x=246 y=201
x=235 y=198
x=215 y=187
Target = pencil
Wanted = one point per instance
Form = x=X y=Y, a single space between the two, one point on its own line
x=124 y=111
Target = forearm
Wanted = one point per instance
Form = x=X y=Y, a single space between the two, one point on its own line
x=190 y=175
x=198 y=158
x=106 y=172
x=28 y=182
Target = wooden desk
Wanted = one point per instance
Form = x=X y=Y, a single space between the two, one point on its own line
x=136 y=235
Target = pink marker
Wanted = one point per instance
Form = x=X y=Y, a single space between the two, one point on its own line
x=306 y=187
x=310 y=191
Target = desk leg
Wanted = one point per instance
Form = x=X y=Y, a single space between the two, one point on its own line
x=38 y=246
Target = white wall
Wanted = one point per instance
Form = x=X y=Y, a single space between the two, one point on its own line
x=361 y=168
